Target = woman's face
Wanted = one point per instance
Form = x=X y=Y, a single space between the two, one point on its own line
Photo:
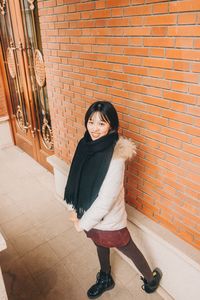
x=97 y=127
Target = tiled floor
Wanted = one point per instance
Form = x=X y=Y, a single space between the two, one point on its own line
x=46 y=258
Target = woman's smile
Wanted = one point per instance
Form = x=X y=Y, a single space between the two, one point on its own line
x=97 y=127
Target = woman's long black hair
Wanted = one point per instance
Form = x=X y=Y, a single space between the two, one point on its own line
x=107 y=112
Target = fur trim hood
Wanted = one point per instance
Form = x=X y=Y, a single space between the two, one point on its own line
x=124 y=149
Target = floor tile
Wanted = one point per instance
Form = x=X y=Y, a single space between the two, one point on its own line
x=40 y=259
x=28 y=241
x=17 y=226
x=59 y=283
x=19 y=284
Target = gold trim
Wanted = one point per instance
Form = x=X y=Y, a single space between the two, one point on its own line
x=11 y=62
x=31 y=4
x=20 y=120
x=39 y=68
x=3 y=7
x=47 y=135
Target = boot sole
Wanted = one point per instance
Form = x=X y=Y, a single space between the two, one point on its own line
x=161 y=274
x=109 y=288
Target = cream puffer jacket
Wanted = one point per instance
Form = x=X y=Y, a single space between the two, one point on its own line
x=108 y=210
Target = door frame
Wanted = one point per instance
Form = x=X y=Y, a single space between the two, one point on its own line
x=30 y=142
x=6 y=91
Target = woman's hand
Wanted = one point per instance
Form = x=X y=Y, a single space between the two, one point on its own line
x=77 y=226
x=75 y=220
x=72 y=216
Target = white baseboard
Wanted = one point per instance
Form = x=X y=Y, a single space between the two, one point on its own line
x=179 y=261
x=5 y=134
x=3 y=294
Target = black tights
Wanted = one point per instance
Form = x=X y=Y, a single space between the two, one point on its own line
x=132 y=252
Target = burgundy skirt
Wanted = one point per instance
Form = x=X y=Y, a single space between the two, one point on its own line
x=108 y=238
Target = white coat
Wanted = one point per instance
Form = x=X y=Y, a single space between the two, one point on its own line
x=108 y=210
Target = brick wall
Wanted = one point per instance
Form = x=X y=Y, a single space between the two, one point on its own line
x=143 y=55
x=3 y=109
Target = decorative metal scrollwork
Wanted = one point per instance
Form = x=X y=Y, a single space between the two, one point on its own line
x=39 y=68
x=47 y=134
x=3 y=7
x=20 y=119
x=31 y=4
x=11 y=62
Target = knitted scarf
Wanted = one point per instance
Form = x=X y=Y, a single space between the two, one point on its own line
x=88 y=170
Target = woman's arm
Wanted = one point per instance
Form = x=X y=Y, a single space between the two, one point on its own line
x=108 y=193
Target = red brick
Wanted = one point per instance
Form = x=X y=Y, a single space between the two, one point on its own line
x=137 y=10
x=100 y=4
x=135 y=21
x=192 y=130
x=117 y=22
x=196 y=43
x=157 y=62
x=187 y=18
x=188 y=5
x=184 y=42
x=159 y=52
x=191 y=149
x=156 y=82
x=85 y=6
x=156 y=101
x=160 y=20
x=105 y=13
x=160 y=8
x=174 y=143
x=183 y=54
x=136 y=51
x=179 y=86
x=114 y=3
x=184 y=31
x=177 y=116
x=136 y=31
x=195 y=67
x=181 y=76
x=159 y=42
x=159 y=31
x=180 y=97
x=182 y=65
x=193 y=110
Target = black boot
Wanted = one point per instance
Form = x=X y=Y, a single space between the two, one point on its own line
x=104 y=283
x=151 y=286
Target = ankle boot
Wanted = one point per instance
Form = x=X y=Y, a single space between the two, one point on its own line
x=103 y=283
x=150 y=286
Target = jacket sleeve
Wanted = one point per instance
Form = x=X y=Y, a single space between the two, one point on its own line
x=109 y=191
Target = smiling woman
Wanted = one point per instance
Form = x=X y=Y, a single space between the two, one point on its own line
x=95 y=195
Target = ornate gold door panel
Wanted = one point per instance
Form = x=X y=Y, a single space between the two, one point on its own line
x=25 y=78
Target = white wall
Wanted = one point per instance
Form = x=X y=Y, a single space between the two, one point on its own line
x=3 y=295
x=5 y=134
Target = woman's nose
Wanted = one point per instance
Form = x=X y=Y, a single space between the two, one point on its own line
x=95 y=127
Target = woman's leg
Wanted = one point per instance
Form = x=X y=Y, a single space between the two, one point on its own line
x=132 y=251
x=104 y=280
x=104 y=258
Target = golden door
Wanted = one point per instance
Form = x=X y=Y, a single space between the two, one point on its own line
x=23 y=69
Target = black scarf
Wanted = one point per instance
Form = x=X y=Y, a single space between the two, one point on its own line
x=88 y=170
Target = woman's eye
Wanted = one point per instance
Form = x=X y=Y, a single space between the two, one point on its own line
x=102 y=123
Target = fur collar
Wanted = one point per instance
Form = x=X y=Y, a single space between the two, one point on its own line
x=124 y=149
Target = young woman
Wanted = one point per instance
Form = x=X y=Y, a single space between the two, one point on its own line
x=95 y=195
